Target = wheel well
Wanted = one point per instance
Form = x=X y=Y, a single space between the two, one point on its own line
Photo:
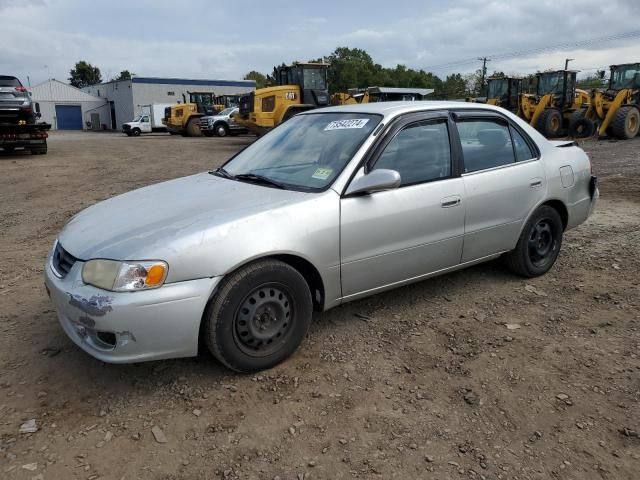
x=560 y=207
x=310 y=274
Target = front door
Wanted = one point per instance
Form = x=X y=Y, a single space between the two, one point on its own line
x=145 y=124
x=503 y=180
x=398 y=235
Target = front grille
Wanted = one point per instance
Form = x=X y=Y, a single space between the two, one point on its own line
x=62 y=260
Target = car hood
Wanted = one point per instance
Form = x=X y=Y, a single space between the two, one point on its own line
x=161 y=221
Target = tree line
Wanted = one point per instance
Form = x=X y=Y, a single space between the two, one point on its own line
x=354 y=68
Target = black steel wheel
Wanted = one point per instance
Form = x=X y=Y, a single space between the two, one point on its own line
x=259 y=316
x=263 y=320
x=539 y=244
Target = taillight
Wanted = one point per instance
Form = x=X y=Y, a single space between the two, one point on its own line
x=20 y=88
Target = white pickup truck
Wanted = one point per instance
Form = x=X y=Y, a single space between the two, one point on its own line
x=150 y=120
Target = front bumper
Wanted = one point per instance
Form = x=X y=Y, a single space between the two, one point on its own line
x=128 y=327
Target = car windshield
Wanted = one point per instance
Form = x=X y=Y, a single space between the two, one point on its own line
x=137 y=118
x=306 y=152
x=227 y=111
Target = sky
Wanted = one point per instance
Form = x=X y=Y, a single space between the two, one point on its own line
x=225 y=40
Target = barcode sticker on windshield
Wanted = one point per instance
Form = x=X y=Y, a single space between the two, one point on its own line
x=342 y=124
x=322 y=173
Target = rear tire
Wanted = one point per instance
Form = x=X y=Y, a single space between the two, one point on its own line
x=259 y=316
x=626 y=123
x=539 y=244
x=550 y=123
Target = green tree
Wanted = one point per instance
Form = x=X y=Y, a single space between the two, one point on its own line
x=84 y=74
x=350 y=68
x=259 y=78
x=124 y=75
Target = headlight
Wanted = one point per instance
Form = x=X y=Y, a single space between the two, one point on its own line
x=126 y=276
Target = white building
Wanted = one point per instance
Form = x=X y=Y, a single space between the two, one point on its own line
x=126 y=97
x=69 y=108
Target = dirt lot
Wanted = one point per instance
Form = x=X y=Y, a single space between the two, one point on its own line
x=423 y=382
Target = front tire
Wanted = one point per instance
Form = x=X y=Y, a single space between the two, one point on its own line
x=259 y=316
x=626 y=123
x=193 y=128
x=539 y=244
x=550 y=123
x=135 y=132
x=221 y=130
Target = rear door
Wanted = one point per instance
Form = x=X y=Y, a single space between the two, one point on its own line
x=503 y=181
x=398 y=235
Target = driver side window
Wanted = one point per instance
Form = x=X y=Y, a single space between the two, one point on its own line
x=419 y=153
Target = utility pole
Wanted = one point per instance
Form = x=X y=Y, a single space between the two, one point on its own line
x=484 y=72
x=566 y=62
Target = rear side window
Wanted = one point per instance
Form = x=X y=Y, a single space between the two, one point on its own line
x=9 y=81
x=520 y=146
x=486 y=143
x=419 y=153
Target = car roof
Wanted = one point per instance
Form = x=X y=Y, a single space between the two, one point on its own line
x=391 y=109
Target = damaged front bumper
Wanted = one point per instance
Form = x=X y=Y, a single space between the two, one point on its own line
x=127 y=327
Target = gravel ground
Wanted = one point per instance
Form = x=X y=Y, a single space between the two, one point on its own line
x=427 y=381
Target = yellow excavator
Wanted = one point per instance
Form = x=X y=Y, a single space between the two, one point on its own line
x=616 y=110
x=298 y=87
x=556 y=105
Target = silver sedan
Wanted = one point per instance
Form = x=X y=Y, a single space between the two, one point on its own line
x=333 y=205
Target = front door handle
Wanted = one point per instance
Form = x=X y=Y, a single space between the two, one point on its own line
x=449 y=202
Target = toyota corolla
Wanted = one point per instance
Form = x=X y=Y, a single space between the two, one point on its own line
x=331 y=206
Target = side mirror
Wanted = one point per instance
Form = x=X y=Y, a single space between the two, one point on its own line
x=375 y=181
x=38 y=115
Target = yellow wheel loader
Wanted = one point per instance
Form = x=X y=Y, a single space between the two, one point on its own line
x=299 y=87
x=380 y=94
x=504 y=92
x=616 y=110
x=556 y=105
x=183 y=119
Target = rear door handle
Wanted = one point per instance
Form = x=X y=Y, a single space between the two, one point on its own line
x=449 y=202
x=535 y=182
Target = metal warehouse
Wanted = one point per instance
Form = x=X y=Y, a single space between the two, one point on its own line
x=68 y=108
x=126 y=97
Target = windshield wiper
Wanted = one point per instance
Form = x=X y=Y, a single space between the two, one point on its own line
x=221 y=172
x=252 y=177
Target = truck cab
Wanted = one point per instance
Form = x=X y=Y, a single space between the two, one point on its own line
x=299 y=87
